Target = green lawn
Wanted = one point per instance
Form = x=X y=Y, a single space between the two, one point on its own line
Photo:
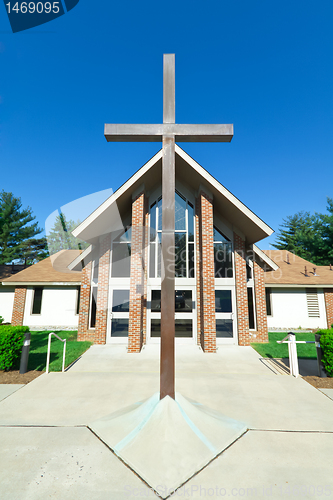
x=273 y=350
x=38 y=350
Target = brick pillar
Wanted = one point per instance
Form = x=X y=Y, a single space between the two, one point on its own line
x=145 y=273
x=198 y=270
x=260 y=298
x=103 y=291
x=19 y=305
x=328 y=292
x=208 y=325
x=83 y=333
x=241 y=291
x=137 y=276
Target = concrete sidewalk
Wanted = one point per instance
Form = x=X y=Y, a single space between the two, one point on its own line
x=44 y=433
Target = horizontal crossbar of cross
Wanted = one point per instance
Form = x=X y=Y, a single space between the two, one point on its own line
x=181 y=132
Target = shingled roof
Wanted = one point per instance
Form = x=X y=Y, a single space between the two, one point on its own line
x=50 y=270
x=293 y=273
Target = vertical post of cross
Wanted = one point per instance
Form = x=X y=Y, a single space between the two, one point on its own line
x=167 y=372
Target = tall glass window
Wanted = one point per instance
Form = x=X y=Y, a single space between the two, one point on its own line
x=222 y=255
x=184 y=238
x=121 y=255
x=37 y=300
x=93 y=298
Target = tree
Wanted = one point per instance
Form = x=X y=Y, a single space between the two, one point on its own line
x=33 y=250
x=324 y=231
x=308 y=236
x=17 y=235
x=296 y=234
x=60 y=237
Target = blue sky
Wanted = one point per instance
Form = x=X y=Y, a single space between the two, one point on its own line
x=265 y=67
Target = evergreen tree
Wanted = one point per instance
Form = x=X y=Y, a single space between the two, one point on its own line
x=308 y=236
x=296 y=235
x=324 y=236
x=16 y=232
x=60 y=237
x=33 y=250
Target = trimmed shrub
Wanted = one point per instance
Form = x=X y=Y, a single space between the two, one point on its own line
x=326 y=344
x=11 y=342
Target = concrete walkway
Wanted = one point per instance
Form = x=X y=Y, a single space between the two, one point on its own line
x=44 y=433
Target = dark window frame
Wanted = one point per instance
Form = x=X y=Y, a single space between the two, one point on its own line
x=268 y=295
x=251 y=310
x=34 y=303
x=78 y=299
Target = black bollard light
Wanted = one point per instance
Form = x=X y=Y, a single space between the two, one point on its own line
x=25 y=353
x=321 y=371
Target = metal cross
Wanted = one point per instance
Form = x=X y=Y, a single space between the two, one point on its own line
x=169 y=132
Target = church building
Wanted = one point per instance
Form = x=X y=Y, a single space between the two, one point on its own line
x=219 y=271
x=227 y=290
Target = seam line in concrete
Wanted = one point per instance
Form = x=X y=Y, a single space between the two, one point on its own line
x=204 y=467
x=181 y=485
x=121 y=460
x=42 y=426
x=288 y=430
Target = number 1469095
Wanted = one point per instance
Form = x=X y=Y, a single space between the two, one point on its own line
x=33 y=7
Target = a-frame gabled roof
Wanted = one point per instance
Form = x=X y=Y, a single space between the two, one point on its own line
x=109 y=216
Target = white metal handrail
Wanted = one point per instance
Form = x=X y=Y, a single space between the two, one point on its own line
x=292 y=349
x=49 y=351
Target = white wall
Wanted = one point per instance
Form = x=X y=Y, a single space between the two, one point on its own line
x=289 y=309
x=6 y=302
x=58 y=308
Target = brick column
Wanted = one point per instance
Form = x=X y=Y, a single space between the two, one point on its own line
x=328 y=293
x=198 y=270
x=260 y=299
x=241 y=291
x=19 y=305
x=137 y=276
x=145 y=273
x=103 y=291
x=208 y=325
x=83 y=333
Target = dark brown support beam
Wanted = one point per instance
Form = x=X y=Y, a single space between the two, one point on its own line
x=167 y=372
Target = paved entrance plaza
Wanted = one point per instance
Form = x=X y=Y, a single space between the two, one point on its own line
x=48 y=450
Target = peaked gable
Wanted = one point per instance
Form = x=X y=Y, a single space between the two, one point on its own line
x=109 y=216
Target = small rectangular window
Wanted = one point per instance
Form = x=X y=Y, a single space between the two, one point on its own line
x=37 y=300
x=251 y=308
x=152 y=261
x=121 y=260
x=223 y=302
x=78 y=293
x=223 y=260
x=119 y=327
x=268 y=292
x=93 y=307
x=180 y=255
x=248 y=272
x=120 y=301
x=191 y=260
x=224 y=328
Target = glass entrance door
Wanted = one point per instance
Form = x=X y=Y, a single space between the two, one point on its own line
x=185 y=324
x=119 y=315
x=225 y=316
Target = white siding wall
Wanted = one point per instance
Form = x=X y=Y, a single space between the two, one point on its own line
x=289 y=309
x=6 y=302
x=58 y=308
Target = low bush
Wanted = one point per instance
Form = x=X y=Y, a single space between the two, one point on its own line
x=11 y=342
x=326 y=344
